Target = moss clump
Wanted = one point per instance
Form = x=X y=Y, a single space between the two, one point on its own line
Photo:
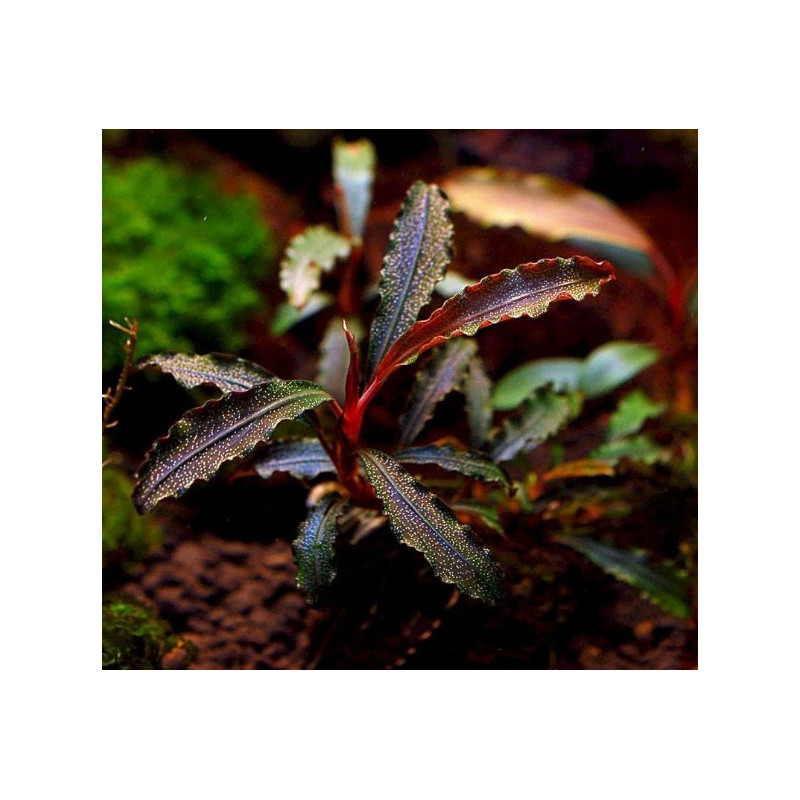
x=181 y=257
x=134 y=638
x=127 y=537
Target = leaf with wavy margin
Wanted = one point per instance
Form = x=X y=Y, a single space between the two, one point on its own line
x=308 y=255
x=632 y=412
x=527 y=290
x=205 y=438
x=313 y=547
x=444 y=374
x=422 y=521
x=302 y=458
x=664 y=590
x=354 y=172
x=420 y=248
x=227 y=373
x=541 y=417
x=466 y=462
x=477 y=391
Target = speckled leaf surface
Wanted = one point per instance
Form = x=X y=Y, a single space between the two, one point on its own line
x=542 y=416
x=354 y=172
x=466 y=462
x=205 y=438
x=308 y=255
x=420 y=248
x=444 y=374
x=421 y=520
x=313 y=547
x=664 y=590
x=527 y=290
x=477 y=390
x=302 y=458
x=227 y=373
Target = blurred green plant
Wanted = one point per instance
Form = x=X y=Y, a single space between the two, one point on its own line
x=134 y=638
x=181 y=256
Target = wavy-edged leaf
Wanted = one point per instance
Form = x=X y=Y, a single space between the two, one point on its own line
x=334 y=356
x=477 y=389
x=637 y=448
x=354 y=172
x=420 y=248
x=664 y=590
x=308 y=255
x=602 y=371
x=527 y=290
x=542 y=416
x=466 y=462
x=302 y=458
x=632 y=412
x=422 y=521
x=552 y=209
x=313 y=547
x=205 y=438
x=227 y=373
x=443 y=375
x=287 y=316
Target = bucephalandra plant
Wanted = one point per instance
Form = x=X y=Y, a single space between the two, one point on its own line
x=254 y=403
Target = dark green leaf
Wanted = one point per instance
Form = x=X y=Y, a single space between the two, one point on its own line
x=225 y=372
x=354 y=172
x=422 y=521
x=632 y=412
x=477 y=390
x=205 y=438
x=442 y=375
x=420 y=248
x=543 y=415
x=313 y=547
x=303 y=458
x=308 y=255
x=663 y=590
x=466 y=462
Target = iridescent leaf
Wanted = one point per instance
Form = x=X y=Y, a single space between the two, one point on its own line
x=663 y=590
x=302 y=458
x=444 y=374
x=552 y=209
x=225 y=372
x=420 y=248
x=543 y=415
x=422 y=521
x=477 y=391
x=334 y=356
x=354 y=172
x=308 y=255
x=205 y=438
x=287 y=316
x=313 y=547
x=467 y=462
x=632 y=412
x=527 y=290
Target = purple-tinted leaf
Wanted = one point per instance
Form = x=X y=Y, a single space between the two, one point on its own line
x=477 y=390
x=467 y=462
x=302 y=458
x=227 y=373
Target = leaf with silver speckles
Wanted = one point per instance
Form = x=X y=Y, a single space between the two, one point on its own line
x=302 y=458
x=466 y=462
x=227 y=373
x=205 y=438
x=313 y=547
x=422 y=521
x=420 y=248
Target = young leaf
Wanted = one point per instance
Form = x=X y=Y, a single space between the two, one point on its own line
x=663 y=590
x=444 y=374
x=477 y=391
x=563 y=374
x=354 y=172
x=420 y=248
x=308 y=255
x=542 y=416
x=313 y=547
x=205 y=438
x=227 y=373
x=527 y=290
x=632 y=412
x=613 y=364
x=467 y=462
x=334 y=356
x=422 y=521
x=302 y=458
x=552 y=209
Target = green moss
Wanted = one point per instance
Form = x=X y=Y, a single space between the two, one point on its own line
x=127 y=536
x=181 y=257
x=134 y=638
